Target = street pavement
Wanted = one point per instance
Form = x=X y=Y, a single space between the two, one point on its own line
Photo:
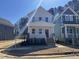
x=42 y=57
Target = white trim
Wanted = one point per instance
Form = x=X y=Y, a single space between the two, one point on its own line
x=76 y=33
x=70 y=9
x=59 y=15
x=71 y=18
x=76 y=25
x=66 y=35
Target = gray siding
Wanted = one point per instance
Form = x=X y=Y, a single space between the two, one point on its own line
x=6 y=32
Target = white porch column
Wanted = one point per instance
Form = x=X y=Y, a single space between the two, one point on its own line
x=66 y=32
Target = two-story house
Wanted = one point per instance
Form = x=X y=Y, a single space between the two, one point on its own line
x=41 y=27
x=67 y=26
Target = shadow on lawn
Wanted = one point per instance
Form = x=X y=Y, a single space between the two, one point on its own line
x=28 y=49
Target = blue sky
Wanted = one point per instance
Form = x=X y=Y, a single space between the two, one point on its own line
x=13 y=10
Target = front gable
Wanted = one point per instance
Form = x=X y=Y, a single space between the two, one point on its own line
x=66 y=15
x=69 y=11
x=42 y=12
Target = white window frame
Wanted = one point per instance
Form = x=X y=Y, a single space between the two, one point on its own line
x=46 y=19
x=40 y=31
x=71 y=17
x=66 y=18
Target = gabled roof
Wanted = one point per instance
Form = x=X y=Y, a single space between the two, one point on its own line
x=69 y=9
x=5 y=22
x=59 y=15
x=40 y=8
x=44 y=10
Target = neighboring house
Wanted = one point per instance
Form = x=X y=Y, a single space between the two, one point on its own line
x=67 y=26
x=6 y=30
x=41 y=26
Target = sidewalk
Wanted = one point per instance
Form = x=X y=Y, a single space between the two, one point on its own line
x=41 y=57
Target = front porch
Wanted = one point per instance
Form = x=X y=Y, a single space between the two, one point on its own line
x=71 y=34
x=40 y=32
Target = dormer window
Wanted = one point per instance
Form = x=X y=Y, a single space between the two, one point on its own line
x=40 y=18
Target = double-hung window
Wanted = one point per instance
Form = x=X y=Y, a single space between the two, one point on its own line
x=46 y=19
x=33 y=31
x=40 y=18
x=71 y=18
x=40 y=31
x=67 y=18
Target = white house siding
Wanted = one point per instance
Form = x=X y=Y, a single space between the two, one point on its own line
x=37 y=34
x=36 y=24
x=41 y=12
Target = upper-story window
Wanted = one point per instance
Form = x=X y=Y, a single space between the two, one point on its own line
x=46 y=19
x=71 y=17
x=40 y=18
x=74 y=17
x=67 y=18
x=77 y=19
